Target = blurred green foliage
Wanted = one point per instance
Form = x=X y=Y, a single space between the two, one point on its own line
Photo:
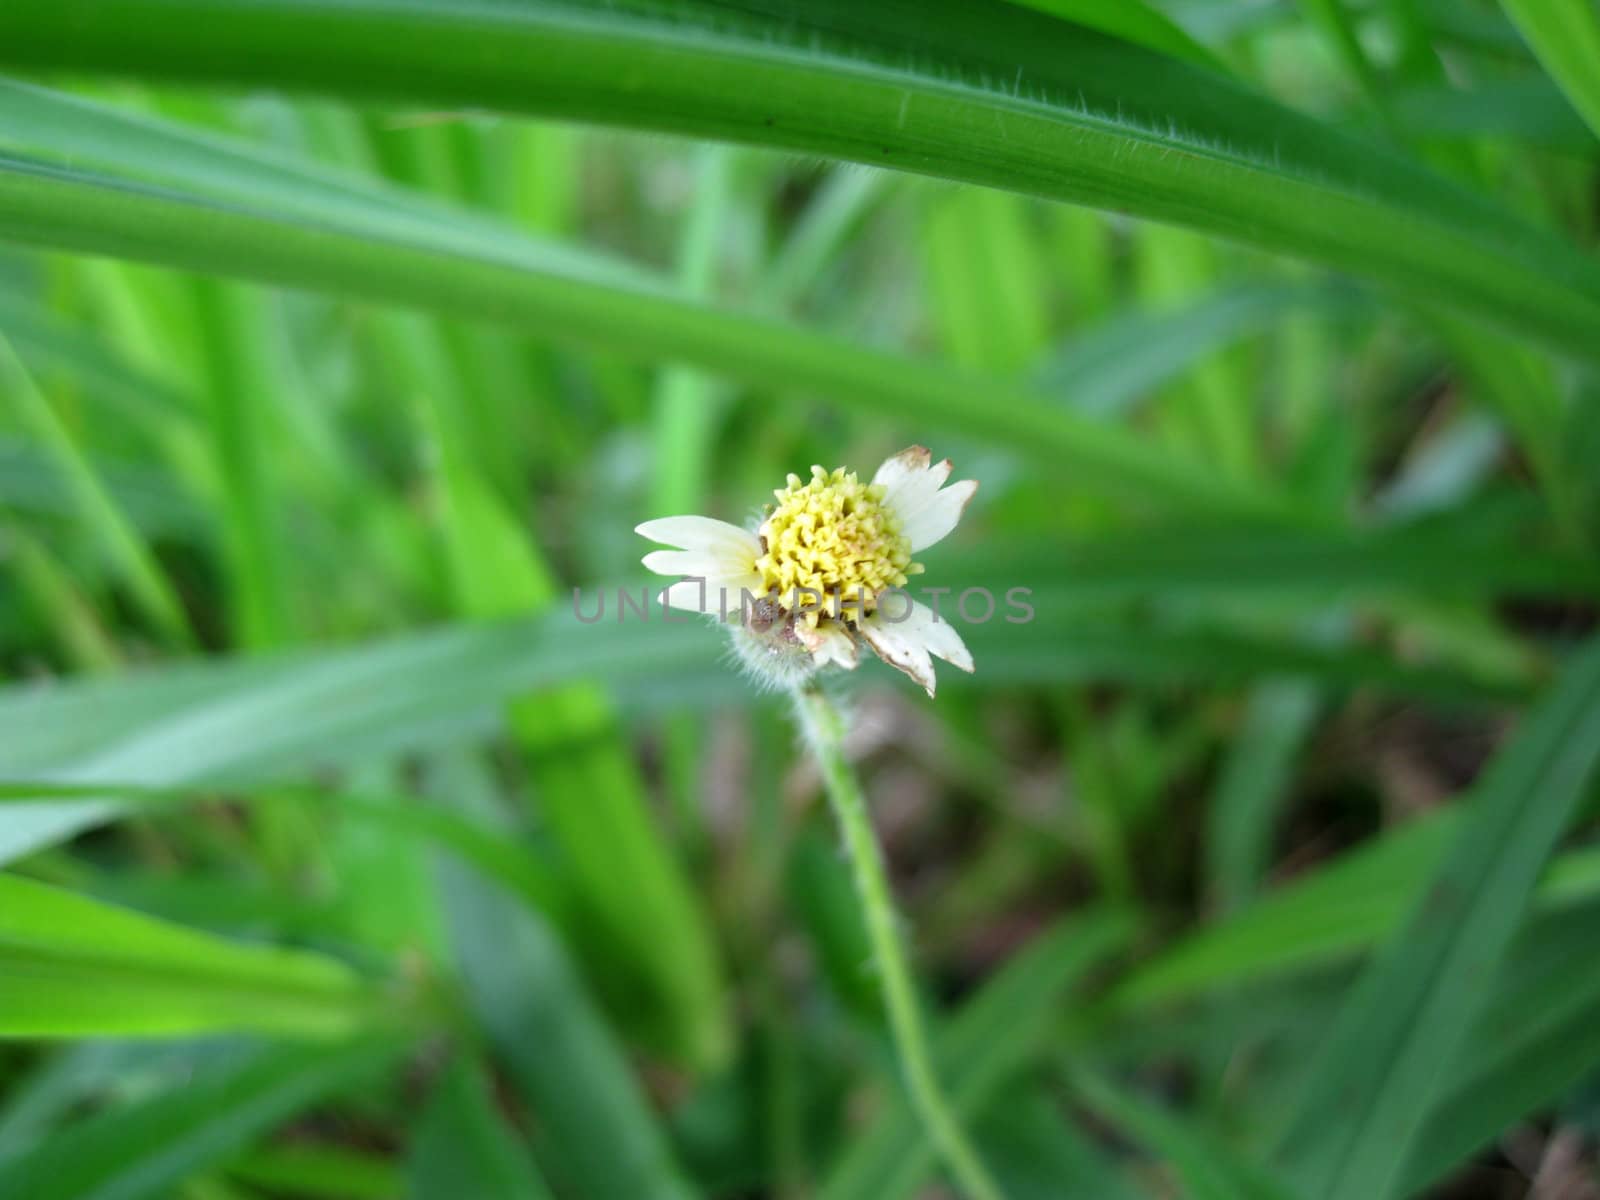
x=341 y=341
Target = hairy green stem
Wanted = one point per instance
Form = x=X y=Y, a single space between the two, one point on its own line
x=824 y=730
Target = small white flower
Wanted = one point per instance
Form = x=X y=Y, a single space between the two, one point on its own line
x=823 y=572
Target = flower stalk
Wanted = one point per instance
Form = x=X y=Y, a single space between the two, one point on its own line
x=824 y=729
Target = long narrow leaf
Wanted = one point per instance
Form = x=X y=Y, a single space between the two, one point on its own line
x=463 y=1145
x=1327 y=918
x=1381 y=1066
x=603 y=1140
x=250 y=721
x=1565 y=34
x=983 y=92
x=144 y=1150
x=71 y=966
x=1208 y=1169
x=1537 y=1042
x=87 y=179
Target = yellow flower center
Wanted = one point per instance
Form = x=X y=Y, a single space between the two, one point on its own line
x=835 y=536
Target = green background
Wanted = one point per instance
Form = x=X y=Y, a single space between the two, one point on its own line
x=341 y=341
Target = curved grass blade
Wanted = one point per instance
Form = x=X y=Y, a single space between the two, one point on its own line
x=297 y=710
x=1039 y=1153
x=489 y=851
x=31 y=481
x=1252 y=787
x=85 y=1074
x=1525 y=108
x=99 y=182
x=1208 y=1169
x=48 y=343
x=591 y=796
x=1380 y=1070
x=86 y=643
x=1565 y=34
x=602 y=1139
x=1409 y=559
x=122 y=543
x=1130 y=21
x=317 y=1172
x=1115 y=362
x=983 y=92
x=145 y=1149
x=73 y=967
x=463 y=1145
x=1327 y=918
x=1536 y=1043
x=243 y=722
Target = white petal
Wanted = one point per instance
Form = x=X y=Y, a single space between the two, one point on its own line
x=912 y=485
x=714 y=595
x=699 y=533
x=944 y=642
x=691 y=595
x=910 y=481
x=933 y=521
x=911 y=461
x=829 y=642
x=906 y=644
x=706 y=564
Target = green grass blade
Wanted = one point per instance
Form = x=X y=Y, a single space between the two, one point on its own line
x=489 y=850
x=1380 y=1069
x=1537 y=1043
x=73 y=967
x=686 y=402
x=317 y=1173
x=1080 y=649
x=160 y=195
x=58 y=603
x=985 y=282
x=1526 y=108
x=1251 y=786
x=123 y=544
x=589 y=791
x=1565 y=34
x=1326 y=918
x=241 y=721
x=1039 y=1153
x=841 y=205
x=1208 y=1169
x=1131 y=21
x=983 y=92
x=272 y=719
x=241 y=382
x=143 y=1150
x=1444 y=560
x=46 y=342
x=81 y=1074
x=601 y=1139
x=1108 y=365
x=1207 y=410
x=464 y=1147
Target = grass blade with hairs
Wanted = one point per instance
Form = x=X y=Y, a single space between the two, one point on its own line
x=92 y=180
x=981 y=92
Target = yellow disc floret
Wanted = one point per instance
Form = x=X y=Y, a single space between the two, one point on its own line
x=836 y=537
